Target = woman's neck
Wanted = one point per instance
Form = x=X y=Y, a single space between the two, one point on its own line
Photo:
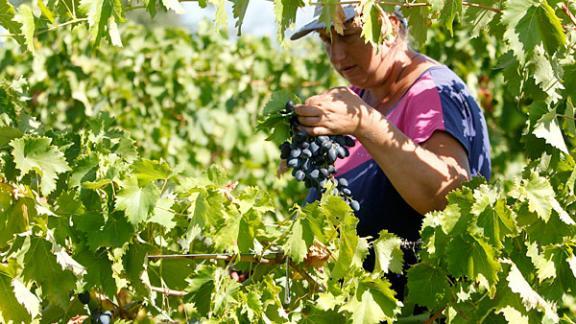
x=400 y=67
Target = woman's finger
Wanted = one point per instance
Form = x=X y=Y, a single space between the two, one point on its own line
x=309 y=121
x=307 y=111
x=316 y=130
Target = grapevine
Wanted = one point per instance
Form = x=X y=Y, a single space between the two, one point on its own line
x=312 y=158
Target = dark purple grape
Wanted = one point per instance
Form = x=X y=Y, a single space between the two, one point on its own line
x=299 y=175
x=293 y=163
x=346 y=191
x=332 y=155
x=84 y=297
x=343 y=182
x=349 y=141
x=295 y=152
x=354 y=205
x=284 y=150
x=307 y=153
x=314 y=173
x=325 y=172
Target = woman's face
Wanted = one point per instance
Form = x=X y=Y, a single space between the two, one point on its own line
x=351 y=56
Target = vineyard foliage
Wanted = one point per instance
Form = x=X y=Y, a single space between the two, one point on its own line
x=111 y=155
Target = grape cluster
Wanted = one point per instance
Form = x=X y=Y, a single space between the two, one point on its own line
x=312 y=158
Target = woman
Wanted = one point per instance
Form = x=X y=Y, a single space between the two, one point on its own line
x=419 y=132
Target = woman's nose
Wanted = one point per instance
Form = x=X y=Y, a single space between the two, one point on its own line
x=337 y=52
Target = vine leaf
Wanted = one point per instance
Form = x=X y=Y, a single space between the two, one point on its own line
x=98 y=13
x=137 y=202
x=10 y=306
x=428 y=285
x=512 y=315
x=239 y=10
x=36 y=154
x=299 y=240
x=530 y=23
x=7 y=14
x=173 y=5
x=530 y=298
x=285 y=12
x=473 y=257
x=56 y=283
x=389 y=255
x=451 y=10
x=547 y=128
x=26 y=298
x=45 y=11
x=544 y=268
x=479 y=18
x=25 y=17
x=373 y=302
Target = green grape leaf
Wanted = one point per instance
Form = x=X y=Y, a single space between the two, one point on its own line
x=475 y=258
x=372 y=23
x=497 y=222
x=299 y=240
x=569 y=123
x=113 y=233
x=451 y=10
x=539 y=194
x=285 y=13
x=134 y=261
x=56 y=283
x=373 y=302
x=530 y=23
x=332 y=14
x=479 y=18
x=548 y=129
x=7 y=14
x=428 y=286
x=25 y=17
x=16 y=219
x=206 y=208
x=45 y=11
x=98 y=272
x=98 y=13
x=239 y=11
x=7 y=134
x=544 y=268
x=163 y=213
x=347 y=243
x=137 y=202
x=389 y=255
x=114 y=33
x=327 y=301
x=10 y=307
x=147 y=171
x=26 y=298
x=530 y=298
x=419 y=22
x=36 y=154
x=512 y=315
x=228 y=236
x=173 y=5
x=221 y=18
x=546 y=78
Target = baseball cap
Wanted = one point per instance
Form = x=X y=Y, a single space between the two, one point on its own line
x=316 y=24
x=349 y=13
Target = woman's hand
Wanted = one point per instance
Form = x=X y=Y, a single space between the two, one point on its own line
x=334 y=112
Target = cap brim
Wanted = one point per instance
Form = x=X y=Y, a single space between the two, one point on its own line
x=349 y=13
x=307 y=29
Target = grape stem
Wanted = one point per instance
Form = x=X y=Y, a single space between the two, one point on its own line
x=418 y=4
x=244 y=257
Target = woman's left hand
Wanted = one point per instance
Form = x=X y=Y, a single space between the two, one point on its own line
x=336 y=111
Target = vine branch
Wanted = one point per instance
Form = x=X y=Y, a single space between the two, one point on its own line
x=569 y=13
x=413 y=5
x=278 y=257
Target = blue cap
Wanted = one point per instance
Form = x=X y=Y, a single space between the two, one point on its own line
x=349 y=13
x=316 y=24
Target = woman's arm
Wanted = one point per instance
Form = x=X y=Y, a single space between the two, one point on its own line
x=422 y=174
